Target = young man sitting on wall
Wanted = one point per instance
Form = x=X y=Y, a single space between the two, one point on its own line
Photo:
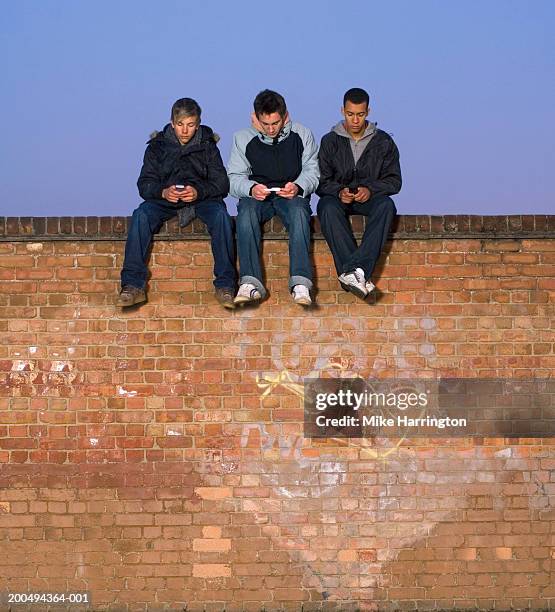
x=359 y=170
x=273 y=170
x=182 y=174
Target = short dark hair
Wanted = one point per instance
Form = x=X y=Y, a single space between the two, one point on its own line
x=268 y=102
x=185 y=107
x=356 y=95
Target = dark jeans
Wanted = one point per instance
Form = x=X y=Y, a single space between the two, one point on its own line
x=295 y=215
x=148 y=219
x=334 y=221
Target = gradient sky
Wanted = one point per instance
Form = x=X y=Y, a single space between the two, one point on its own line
x=466 y=88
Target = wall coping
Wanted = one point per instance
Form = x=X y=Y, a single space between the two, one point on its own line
x=405 y=227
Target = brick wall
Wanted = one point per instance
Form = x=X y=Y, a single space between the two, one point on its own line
x=155 y=457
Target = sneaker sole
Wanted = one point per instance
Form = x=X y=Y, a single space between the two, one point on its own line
x=303 y=302
x=244 y=300
x=228 y=305
x=354 y=290
x=134 y=303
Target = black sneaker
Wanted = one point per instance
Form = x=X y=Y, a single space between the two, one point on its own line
x=129 y=296
x=225 y=296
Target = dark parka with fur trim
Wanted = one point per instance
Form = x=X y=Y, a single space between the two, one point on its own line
x=197 y=163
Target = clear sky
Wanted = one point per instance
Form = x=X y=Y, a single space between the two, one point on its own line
x=466 y=88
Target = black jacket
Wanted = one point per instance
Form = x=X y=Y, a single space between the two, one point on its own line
x=377 y=169
x=199 y=164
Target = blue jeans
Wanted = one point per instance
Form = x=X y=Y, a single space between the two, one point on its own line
x=379 y=211
x=295 y=216
x=148 y=219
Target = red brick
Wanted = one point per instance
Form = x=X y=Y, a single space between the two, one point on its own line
x=212 y=545
x=211 y=570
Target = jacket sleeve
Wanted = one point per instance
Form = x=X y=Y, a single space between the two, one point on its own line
x=150 y=178
x=328 y=185
x=239 y=168
x=310 y=173
x=389 y=181
x=216 y=186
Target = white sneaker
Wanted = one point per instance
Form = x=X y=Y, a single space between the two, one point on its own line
x=370 y=286
x=247 y=293
x=301 y=295
x=354 y=282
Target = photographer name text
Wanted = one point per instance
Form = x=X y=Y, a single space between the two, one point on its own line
x=379 y=420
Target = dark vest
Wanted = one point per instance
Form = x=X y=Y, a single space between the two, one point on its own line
x=275 y=164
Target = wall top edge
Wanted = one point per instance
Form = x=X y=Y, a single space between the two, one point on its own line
x=421 y=227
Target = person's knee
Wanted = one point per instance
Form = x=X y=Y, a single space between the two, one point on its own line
x=145 y=209
x=220 y=214
x=217 y=219
x=299 y=216
x=141 y=214
x=387 y=205
x=247 y=212
x=329 y=206
x=299 y=205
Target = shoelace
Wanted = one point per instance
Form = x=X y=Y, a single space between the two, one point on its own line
x=359 y=278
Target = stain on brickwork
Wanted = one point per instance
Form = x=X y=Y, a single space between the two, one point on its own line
x=156 y=457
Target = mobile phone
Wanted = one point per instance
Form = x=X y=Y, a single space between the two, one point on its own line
x=276 y=189
x=353 y=189
x=180 y=187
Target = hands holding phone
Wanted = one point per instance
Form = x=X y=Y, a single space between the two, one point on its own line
x=183 y=193
x=260 y=192
x=289 y=191
x=354 y=194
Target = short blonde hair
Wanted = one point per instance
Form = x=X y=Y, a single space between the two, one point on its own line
x=185 y=107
